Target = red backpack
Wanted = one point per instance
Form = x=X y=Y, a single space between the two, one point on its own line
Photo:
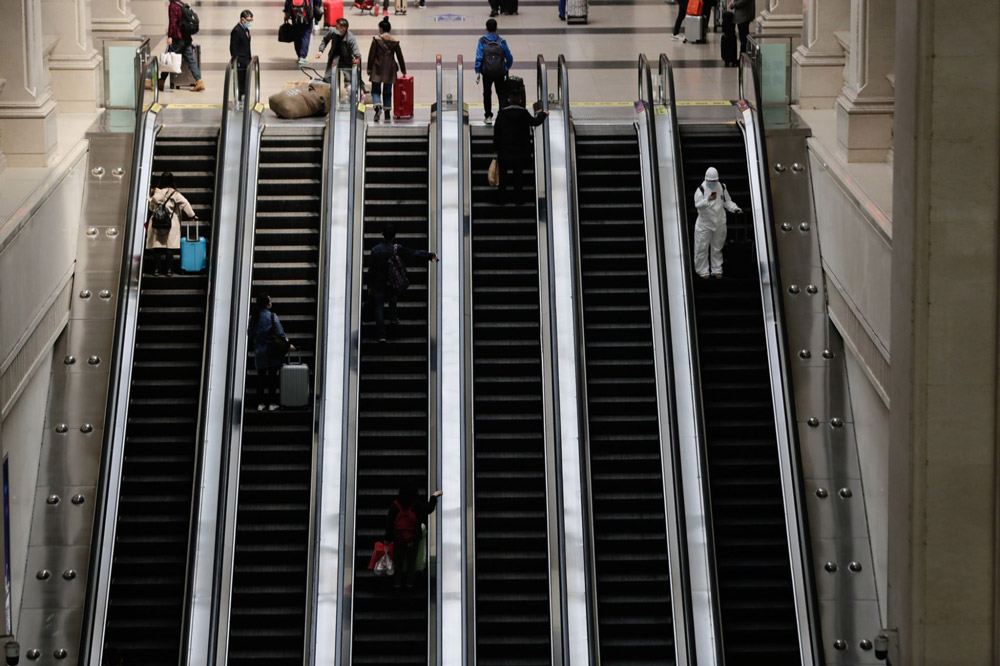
x=405 y=526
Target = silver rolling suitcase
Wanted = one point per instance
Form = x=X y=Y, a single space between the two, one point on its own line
x=576 y=11
x=293 y=381
x=694 y=29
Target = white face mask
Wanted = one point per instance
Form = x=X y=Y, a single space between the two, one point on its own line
x=712 y=184
x=247 y=24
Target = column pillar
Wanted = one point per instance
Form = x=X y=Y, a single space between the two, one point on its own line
x=781 y=17
x=112 y=18
x=74 y=63
x=3 y=159
x=152 y=15
x=865 y=105
x=943 y=436
x=818 y=64
x=27 y=108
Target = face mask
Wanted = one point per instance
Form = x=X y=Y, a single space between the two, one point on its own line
x=247 y=24
x=711 y=184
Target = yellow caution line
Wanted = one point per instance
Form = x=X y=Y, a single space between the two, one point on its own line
x=194 y=106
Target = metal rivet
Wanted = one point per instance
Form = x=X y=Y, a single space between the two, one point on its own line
x=62 y=427
x=52 y=499
x=44 y=574
x=94 y=359
x=105 y=293
x=78 y=499
x=60 y=653
x=804 y=226
x=805 y=353
x=830 y=566
x=822 y=493
x=97 y=171
x=69 y=359
x=793 y=289
x=786 y=226
x=796 y=167
x=828 y=354
x=86 y=427
x=779 y=168
x=854 y=566
x=865 y=644
x=846 y=493
x=86 y=293
x=112 y=232
x=69 y=574
x=837 y=422
x=34 y=654
x=119 y=171
x=92 y=231
x=812 y=289
x=840 y=644
x=813 y=422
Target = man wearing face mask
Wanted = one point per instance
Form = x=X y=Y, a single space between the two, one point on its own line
x=711 y=199
x=239 y=47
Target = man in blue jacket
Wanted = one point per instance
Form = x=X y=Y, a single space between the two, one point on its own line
x=493 y=61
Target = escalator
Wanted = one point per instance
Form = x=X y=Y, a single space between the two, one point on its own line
x=632 y=569
x=756 y=596
x=511 y=545
x=390 y=625
x=147 y=587
x=269 y=594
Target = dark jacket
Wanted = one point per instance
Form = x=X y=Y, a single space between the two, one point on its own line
x=239 y=46
x=378 y=262
x=260 y=329
x=344 y=49
x=382 y=58
x=744 y=11
x=512 y=130
x=419 y=506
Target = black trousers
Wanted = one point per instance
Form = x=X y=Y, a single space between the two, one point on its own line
x=512 y=175
x=681 y=13
x=744 y=30
x=499 y=84
x=241 y=80
x=267 y=383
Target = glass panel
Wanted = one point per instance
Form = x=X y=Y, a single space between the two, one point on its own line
x=774 y=73
x=119 y=64
x=449 y=85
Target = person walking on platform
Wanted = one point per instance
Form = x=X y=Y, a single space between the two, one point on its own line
x=239 y=48
x=264 y=328
x=512 y=142
x=344 y=49
x=379 y=289
x=711 y=199
x=300 y=14
x=403 y=530
x=163 y=242
x=744 y=12
x=178 y=42
x=493 y=61
x=382 y=58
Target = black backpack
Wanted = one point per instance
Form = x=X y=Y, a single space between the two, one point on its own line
x=162 y=218
x=494 y=62
x=189 y=21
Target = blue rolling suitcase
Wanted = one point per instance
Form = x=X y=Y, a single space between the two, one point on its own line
x=193 y=257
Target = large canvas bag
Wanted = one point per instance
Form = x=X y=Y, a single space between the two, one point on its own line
x=299 y=102
x=170 y=63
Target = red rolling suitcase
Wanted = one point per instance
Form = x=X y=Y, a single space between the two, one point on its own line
x=402 y=97
x=332 y=10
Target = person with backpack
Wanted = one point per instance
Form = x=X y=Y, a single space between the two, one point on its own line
x=270 y=346
x=386 y=275
x=512 y=142
x=493 y=61
x=382 y=58
x=163 y=231
x=300 y=14
x=181 y=25
x=711 y=199
x=403 y=530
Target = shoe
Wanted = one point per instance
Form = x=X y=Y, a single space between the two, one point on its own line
x=261 y=407
x=378 y=112
x=156 y=272
x=149 y=84
x=562 y=18
x=677 y=38
x=388 y=114
x=381 y=340
x=170 y=273
x=488 y=119
x=717 y=276
x=303 y=62
x=272 y=407
x=494 y=13
x=160 y=83
x=704 y=277
x=199 y=85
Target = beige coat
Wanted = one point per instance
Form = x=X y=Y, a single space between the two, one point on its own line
x=170 y=240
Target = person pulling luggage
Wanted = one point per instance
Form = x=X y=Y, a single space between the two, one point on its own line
x=270 y=345
x=179 y=40
x=493 y=61
x=166 y=203
x=711 y=199
x=383 y=55
x=379 y=289
x=403 y=529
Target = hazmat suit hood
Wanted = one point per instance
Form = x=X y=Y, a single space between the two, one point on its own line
x=711 y=182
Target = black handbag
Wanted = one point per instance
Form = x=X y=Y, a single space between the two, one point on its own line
x=286 y=33
x=277 y=346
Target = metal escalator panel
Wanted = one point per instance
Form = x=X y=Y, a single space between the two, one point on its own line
x=635 y=623
x=146 y=594
x=390 y=625
x=269 y=582
x=756 y=597
x=511 y=538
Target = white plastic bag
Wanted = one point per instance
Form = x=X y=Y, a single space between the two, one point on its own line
x=384 y=566
x=170 y=63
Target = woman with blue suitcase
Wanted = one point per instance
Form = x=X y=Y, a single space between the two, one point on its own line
x=270 y=346
x=162 y=240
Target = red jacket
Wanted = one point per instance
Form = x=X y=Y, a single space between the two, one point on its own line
x=174 y=15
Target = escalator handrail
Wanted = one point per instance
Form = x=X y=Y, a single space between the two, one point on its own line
x=119 y=376
x=434 y=369
x=668 y=97
x=786 y=426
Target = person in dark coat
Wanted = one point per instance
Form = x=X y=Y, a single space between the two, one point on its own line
x=378 y=271
x=744 y=12
x=263 y=323
x=512 y=141
x=239 y=47
x=383 y=56
x=402 y=529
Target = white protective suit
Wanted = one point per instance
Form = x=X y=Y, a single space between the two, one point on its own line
x=710 y=228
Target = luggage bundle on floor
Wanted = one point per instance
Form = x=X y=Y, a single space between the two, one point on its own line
x=301 y=99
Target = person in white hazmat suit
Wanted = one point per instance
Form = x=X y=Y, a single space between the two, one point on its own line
x=711 y=199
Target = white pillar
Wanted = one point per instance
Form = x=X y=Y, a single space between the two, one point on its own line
x=3 y=160
x=865 y=105
x=818 y=64
x=781 y=17
x=27 y=108
x=112 y=18
x=74 y=63
x=152 y=15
